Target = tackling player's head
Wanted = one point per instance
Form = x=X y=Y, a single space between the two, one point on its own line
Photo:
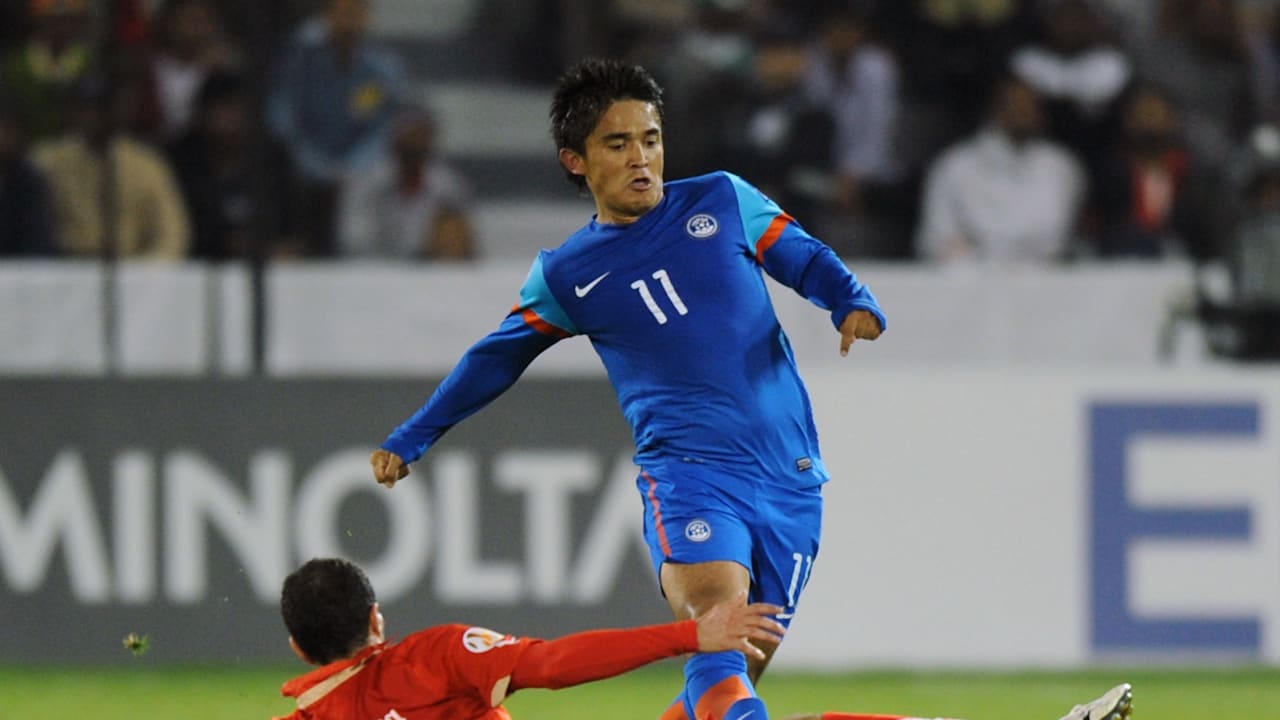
x=606 y=119
x=330 y=610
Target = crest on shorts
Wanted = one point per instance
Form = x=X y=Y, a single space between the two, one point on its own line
x=702 y=226
x=698 y=530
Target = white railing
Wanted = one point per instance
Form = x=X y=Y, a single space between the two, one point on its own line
x=79 y=318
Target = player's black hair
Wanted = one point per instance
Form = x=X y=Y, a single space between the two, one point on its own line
x=325 y=604
x=586 y=90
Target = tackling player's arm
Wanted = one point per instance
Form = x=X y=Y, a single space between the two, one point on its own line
x=599 y=654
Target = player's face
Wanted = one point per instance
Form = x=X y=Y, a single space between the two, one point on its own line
x=623 y=162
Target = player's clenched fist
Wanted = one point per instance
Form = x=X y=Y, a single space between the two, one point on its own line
x=858 y=325
x=388 y=467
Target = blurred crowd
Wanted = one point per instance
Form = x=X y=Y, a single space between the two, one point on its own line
x=942 y=131
x=160 y=117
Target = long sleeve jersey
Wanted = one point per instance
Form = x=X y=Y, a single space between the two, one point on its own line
x=460 y=672
x=675 y=305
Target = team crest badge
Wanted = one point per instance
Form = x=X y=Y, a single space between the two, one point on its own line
x=698 y=530
x=702 y=226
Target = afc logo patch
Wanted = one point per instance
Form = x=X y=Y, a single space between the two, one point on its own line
x=481 y=640
x=698 y=531
x=702 y=226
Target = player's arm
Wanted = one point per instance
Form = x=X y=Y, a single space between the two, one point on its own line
x=805 y=264
x=599 y=654
x=484 y=372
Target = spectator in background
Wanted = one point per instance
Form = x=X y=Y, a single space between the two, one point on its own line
x=642 y=31
x=1080 y=73
x=1264 y=50
x=150 y=220
x=1199 y=57
x=1147 y=196
x=1254 y=256
x=332 y=103
x=1133 y=20
x=773 y=135
x=40 y=74
x=409 y=206
x=703 y=53
x=12 y=18
x=191 y=46
x=951 y=53
x=1006 y=194
x=856 y=80
x=26 y=210
x=216 y=167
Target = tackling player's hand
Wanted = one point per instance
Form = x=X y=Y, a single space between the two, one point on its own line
x=388 y=467
x=858 y=325
x=733 y=625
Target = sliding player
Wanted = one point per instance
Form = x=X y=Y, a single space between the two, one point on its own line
x=456 y=672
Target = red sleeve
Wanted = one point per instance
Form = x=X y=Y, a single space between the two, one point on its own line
x=464 y=660
x=598 y=654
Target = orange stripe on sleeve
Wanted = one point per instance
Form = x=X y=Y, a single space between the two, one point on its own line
x=657 y=514
x=532 y=318
x=771 y=235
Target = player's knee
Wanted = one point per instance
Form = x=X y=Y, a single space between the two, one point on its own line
x=700 y=600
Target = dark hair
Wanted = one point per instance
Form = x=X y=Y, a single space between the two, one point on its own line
x=586 y=90
x=325 y=604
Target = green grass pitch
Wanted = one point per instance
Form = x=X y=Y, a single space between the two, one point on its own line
x=144 y=693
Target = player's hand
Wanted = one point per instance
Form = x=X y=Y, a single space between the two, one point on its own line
x=388 y=467
x=858 y=325
x=733 y=625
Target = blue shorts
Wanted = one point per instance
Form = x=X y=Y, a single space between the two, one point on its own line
x=698 y=514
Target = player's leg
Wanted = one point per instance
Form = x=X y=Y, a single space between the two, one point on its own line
x=714 y=682
x=702 y=551
x=785 y=525
x=755 y=665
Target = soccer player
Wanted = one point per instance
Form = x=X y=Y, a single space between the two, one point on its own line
x=667 y=281
x=456 y=672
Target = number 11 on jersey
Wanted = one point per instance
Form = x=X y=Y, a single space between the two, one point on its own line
x=662 y=277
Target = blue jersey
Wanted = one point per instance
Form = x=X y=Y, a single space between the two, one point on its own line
x=676 y=306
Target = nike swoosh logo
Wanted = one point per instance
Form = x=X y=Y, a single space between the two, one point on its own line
x=582 y=290
x=749 y=714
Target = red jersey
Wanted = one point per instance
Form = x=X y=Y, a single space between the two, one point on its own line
x=450 y=672
x=457 y=672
